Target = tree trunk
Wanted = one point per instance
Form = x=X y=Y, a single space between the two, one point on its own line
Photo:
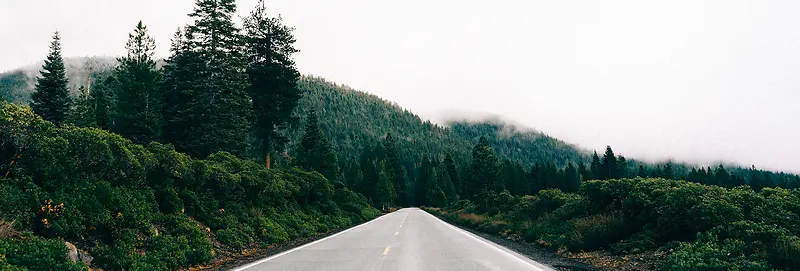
x=268 y=161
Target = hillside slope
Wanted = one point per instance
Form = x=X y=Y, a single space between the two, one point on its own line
x=18 y=84
x=355 y=119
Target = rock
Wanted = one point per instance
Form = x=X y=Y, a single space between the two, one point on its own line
x=72 y=254
x=76 y=255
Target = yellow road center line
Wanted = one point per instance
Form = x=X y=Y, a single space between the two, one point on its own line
x=385 y=251
x=396 y=233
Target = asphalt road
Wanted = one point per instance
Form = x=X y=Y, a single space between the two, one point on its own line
x=408 y=239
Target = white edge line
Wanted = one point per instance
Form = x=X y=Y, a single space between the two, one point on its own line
x=303 y=246
x=486 y=242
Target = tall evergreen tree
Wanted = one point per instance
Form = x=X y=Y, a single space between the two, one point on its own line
x=721 y=176
x=179 y=113
x=103 y=103
x=51 y=98
x=272 y=77
x=315 y=151
x=425 y=175
x=609 y=167
x=447 y=185
x=596 y=167
x=221 y=104
x=572 y=181
x=385 y=195
x=622 y=168
x=484 y=171
x=395 y=169
x=450 y=167
x=434 y=194
x=136 y=86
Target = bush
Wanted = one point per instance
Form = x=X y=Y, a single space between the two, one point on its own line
x=36 y=254
x=597 y=231
x=234 y=238
x=138 y=208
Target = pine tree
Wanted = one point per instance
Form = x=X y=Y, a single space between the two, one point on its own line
x=622 y=168
x=369 y=179
x=596 y=167
x=136 y=85
x=450 y=166
x=179 y=112
x=609 y=167
x=572 y=182
x=585 y=174
x=425 y=175
x=536 y=178
x=396 y=173
x=103 y=104
x=721 y=176
x=447 y=185
x=434 y=194
x=220 y=101
x=484 y=171
x=385 y=195
x=51 y=98
x=82 y=113
x=272 y=77
x=315 y=152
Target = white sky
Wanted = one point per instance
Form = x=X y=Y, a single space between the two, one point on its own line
x=684 y=79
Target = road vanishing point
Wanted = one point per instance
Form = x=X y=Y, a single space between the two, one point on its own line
x=408 y=239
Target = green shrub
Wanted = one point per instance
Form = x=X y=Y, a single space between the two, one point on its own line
x=36 y=254
x=708 y=254
x=597 y=231
x=234 y=238
x=138 y=208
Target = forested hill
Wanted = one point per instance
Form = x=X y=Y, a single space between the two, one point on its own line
x=354 y=119
x=18 y=84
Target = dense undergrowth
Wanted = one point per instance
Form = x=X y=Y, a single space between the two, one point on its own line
x=705 y=227
x=137 y=207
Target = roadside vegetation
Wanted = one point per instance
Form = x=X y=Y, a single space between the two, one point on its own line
x=699 y=227
x=137 y=207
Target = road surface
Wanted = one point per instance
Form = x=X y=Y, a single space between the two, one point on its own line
x=408 y=239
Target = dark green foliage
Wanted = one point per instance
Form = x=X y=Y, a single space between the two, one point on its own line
x=51 y=98
x=178 y=91
x=206 y=104
x=609 y=168
x=447 y=186
x=389 y=154
x=314 y=152
x=111 y=196
x=484 y=171
x=354 y=120
x=10 y=83
x=452 y=172
x=83 y=110
x=572 y=179
x=708 y=227
x=596 y=168
x=35 y=254
x=272 y=77
x=136 y=88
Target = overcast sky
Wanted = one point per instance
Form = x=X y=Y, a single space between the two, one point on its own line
x=690 y=80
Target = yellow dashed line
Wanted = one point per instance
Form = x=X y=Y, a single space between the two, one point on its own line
x=385 y=251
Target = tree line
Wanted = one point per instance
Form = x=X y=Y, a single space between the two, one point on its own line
x=222 y=89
